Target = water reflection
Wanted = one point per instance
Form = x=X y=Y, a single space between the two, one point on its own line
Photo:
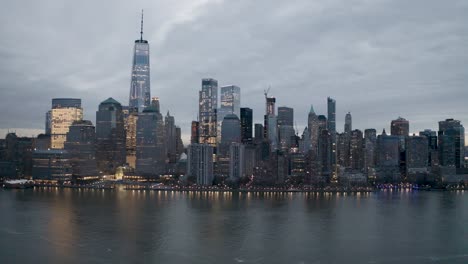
x=94 y=226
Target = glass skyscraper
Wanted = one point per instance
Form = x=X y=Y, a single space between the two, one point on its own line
x=140 y=95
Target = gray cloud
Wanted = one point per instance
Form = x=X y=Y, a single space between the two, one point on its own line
x=379 y=59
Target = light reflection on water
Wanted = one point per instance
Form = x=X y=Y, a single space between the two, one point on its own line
x=95 y=226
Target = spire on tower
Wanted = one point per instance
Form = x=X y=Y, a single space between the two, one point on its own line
x=141 y=31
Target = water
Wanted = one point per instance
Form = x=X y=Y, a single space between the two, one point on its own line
x=94 y=226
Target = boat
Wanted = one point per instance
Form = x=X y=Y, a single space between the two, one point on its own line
x=18 y=184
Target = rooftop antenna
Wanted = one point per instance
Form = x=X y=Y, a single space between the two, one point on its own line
x=141 y=31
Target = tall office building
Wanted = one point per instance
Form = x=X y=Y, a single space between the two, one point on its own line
x=236 y=161
x=150 y=143
x=64 y=112
x=230 y=132
x=331 y=126
x=331 y=107
x=370 y=145
x=451 y=137
x=433 y=158
x=110 y=136
x=313 y=129
x=416 y=155
x=179 y=142
x=286 y=131
x=356 y=151
x=230 y=104
x=322 y=123
x=348 y=123
x=400 y=127
x=208 y=105
x=285 y=116
x=324 y=153
x=388 y=158
x=259 y=132
x=170 y=138
x=140 y=93
x=272 y=132
x=80 y=145
x=130 y=124
x=246 y=120
x=200 y=163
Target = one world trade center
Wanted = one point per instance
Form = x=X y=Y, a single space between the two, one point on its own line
x=140 y=96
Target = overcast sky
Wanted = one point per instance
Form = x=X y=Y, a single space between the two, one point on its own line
x=379 y=59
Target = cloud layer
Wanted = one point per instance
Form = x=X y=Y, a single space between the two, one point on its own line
x=379 y=59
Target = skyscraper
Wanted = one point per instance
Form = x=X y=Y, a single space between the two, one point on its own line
x=230 y=132
x=208 y=105
x=451 y=137
x=200 y=163
x=140 y=94
x=388 y=158
x=170 y=138
x=259 y=133
x=331 y=126
x=246 y=119
x=431 y=136
x=331 y=106
x=269 y=112
x=150 y=150
x=64 y=112
x=370 y=145
x=313 y=129
x=285 y=127
x=348 y=123
x=80 y=145
x=356 y=153
x=110 y=136
x=236 y=161
x=230 y=104
x=400 y=127
x=416 y=155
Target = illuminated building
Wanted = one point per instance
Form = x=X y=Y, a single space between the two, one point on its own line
x=140 y=94
x=130 y=123
x=64 y=112
x=208 y=104
x=230 y=104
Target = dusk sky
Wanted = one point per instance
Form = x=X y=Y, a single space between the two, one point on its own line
x=380 y=59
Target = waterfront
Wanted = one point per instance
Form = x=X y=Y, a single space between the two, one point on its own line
x=53 y=225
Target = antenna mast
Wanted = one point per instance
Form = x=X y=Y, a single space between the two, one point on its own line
x=141 y=31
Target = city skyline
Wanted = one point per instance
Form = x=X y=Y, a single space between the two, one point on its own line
x=422 y=71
